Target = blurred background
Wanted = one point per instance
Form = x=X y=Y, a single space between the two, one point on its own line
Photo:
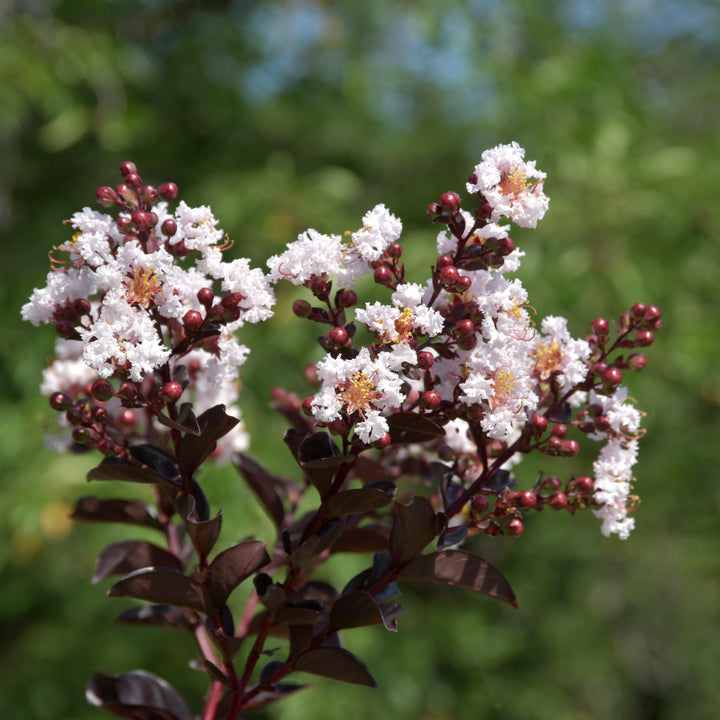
x=285 y=115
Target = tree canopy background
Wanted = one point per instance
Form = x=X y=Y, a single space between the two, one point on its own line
x=285 y=115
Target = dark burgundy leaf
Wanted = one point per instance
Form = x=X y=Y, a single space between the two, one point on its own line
x=264 y=485
x=356 y=609
x=459 y=567
x=269 y=670
x=165 y=586
x=129 y=512
x=204 y=533
x=362 y=500
x=300 y=612
x=163 y=616
x=408 y=427
x=315 y=447
x=229 y=645
x=562 y=414
x=390 y=613
x=271 y=594
x=414 y=526
x=264 y=697
x=211 y=669
x=125 y=556
x=213 y=423
x=117 y=469
x=186 y=422
x=301 y=636
x=234 y=565
x=500 y=480
x=137 y=695
x=368 y=538
x=293 y=438
x=335 y=663
x=157 y=460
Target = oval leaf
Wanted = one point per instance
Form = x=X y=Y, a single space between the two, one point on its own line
x=203 y=533
x=129 y=512
x=162 y=616
x=164 y=586
x=213 y=424
x=127 y=555
x=234 y=565
x=459 y=567
x=356 y=609
x=138 y=695
x=414 y=526
x=335 y=663
x=361 y=500
x=264 y=485
x=117 y=469
x=406 y=427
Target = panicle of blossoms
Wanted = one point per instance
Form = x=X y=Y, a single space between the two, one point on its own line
x=138 y=297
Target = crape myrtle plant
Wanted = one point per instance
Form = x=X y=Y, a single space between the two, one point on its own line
x=424 y=405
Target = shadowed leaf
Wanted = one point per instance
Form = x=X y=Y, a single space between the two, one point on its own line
x=368 y=538
x=138 y=695
x=263 y=484
x=186 y=421
x=213 y=424
x=164 y=586
x=129 y=512
x=362 y=500
x=408 y=427
x=128 y=555
x=414 y=526
x=459 y=567
x=117 y=469
x=203 y=533
x=234 y=565
x=356 y=609
x=335 y=663
x=162 y=616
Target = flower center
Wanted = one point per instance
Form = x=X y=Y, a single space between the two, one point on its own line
x=515 y=182
x=358 y=392
x=548 y=357
x=142 y=287
x=404 y=326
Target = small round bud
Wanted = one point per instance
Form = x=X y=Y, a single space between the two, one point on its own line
x=81 y=306
x=612 y=377
x=170 y=392
x=600 y=326
x=169 y=227
x=602 y=423
x=338 y=336
x=464 y=327
x=133 y=180
x=480 y=503
x=526 y=499
x=109 y=448
x=148 y=194
x=484 y=212
x=467 y=342
x=644 y=338
x=515 y=527
x=346 y=298
x=394 y=250
x=141 y=219
x=463 y=284
x=425 y=360
x=318 y=286
x=433 y=210
x=128 y=417
x=638 y=309
x=382 y=275
x=585 y=484
x=652 y=315
x=60 y=401
x=505 y=246
x=430 y=400
x=124 y=224
x=66 y=330
x=539 y=423
x=560 y=430
x=637 y=361
x=102 y=390
x=81 y=435
x=450 y=202
x=168 y=191
x=600 y=368
x=128 y=391
x=570 y=448
x=307 y=406
x=302 y=308
x=192 y=320
x=338 y=427
x=449 y=276
x=558 y=501
x=205 y=297
x=128 y=168
x=555 y=443
x=99 y=414
x=383 y=442
x=444 y=261
x=106 y=197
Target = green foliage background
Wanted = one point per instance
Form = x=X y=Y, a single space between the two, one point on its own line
x=285 y=115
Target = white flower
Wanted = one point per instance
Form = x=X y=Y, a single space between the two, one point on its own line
x=613 y=475
x=196 y=228
x=512 y=186
x=557 y=352
x=311 y=254
x=458 y=438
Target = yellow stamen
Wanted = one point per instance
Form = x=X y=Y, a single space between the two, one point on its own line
x=142 y=287
x=548 y=357
x=358 y=392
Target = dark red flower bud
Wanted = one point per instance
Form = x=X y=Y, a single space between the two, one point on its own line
x=600 y=326
x=338 y=336
x=585 y=484
x=141 y=219
x=102 y=390
x=570 y=448
x=464 y=327
x=395 y=250
x=425 y=360
x=106 y=197
x=148 y=194
x=539 y=423
x=192 y=320
x=637 y=361
x=124 y=224
x=600 y=368
x=463 y=284
x=612 y=377
x=480 y=503
x=526 y=499
x=75 y=415
x=307 y=405
x=450 y=202
x=383 y=442
x=346 y=298
x=81 y=306
x=560 y=430
x=382 y=275
x=127 y=167
x=205 y=297
x=168 y=191
x=505 y=246
x=302 y=308
x=60 y=401
x=170 y=392
x=169 y=227
x=133 y=180
x=644 y=338
x=558 y=501
x=652 y=315
x=602 y=423
x=638 y=309
x=430 y=400
x=109 y=448
x=66 y=330
x=449 y=276
x=444 y=261
x=99 y=414
x=128 y=390
x=433 y=211
x=515 y=527
x=81 y=435
x=128 y=417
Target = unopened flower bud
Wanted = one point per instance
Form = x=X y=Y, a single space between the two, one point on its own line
x=128 y=417
x=480 y=503
x=505 y=246
x=192 y=320
x=346 y=298
x=450 y=202
x=128 y=168
x=638 y=309
x=526 y=499
x=425 y=360
x=570 y=448
x=106 y=197
x=60 y=401
x=148 y=194
x=444 y=261
x=66 y=330
x=463 y=284
x=652 y=315
x=558 y=501
x=383 y=275
x=612 y=377
x=644 y=338
x=600 y=326
x=169 y=227
x=302 y=308
x=433 y=211
x=168 y=191
x=383 y=442
x=560 y=430
x=515 y=527
x=141 y=219
x=124 y=224
x=170 y=392
x=584 y=484
x=637 y=361
x=464 y=327
x=205 y=297
x=81 y=306
x=338 y=336
x=539 y=423
x=449 y=276
x=430 y=400
x=128 y=390
x=81 y=435
x=102 y=390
